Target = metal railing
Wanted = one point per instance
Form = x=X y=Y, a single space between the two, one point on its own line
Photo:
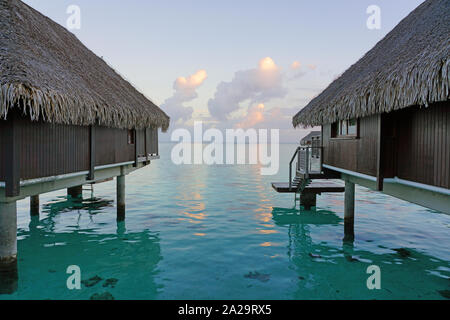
x=290 y=167
x=303 y=161
x=309 y=160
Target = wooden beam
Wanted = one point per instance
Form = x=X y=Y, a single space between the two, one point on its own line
x=34 y=205
x=12 y=155
x=91 y=175
x=317 y=187
x=45 y=185
x=8 y=247
x=321 y=148
x=75 y=192
x=154 y=141
x=145 y=146
x=120 y=188
x=349 y=211
x=308 y=200
x=136 y=158
x=379 y=155
x=145 y=142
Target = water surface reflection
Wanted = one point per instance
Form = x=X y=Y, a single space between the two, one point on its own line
x=119 y=264
x=340 y=272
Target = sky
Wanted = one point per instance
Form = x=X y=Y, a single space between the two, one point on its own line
x=231 y=64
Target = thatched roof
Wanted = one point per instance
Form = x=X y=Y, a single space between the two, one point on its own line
x=410 y=66
x=48 y=73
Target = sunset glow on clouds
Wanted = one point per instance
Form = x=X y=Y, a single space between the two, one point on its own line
x=267 y=64
x=241 y=102
x=254 y=85
x=190 y=83
x=251 y=99
x=254 y=116
x=295 y=65
x=297 y=70
x=185 y=91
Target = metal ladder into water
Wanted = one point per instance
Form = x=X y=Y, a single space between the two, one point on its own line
x=89 y=187
x=301 y=179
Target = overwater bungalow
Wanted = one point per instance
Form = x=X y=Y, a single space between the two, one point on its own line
x=310 y=138
x=385 y=122
x=67 y=118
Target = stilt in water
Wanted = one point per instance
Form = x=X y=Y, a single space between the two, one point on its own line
x=34 y=205
x=75 y=192
x=120 y=180
x=308 y=200
x=8 y=247
x=121 y=228
x=348 y=249
x=349 y=211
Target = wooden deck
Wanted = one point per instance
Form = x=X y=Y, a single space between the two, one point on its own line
x=316 y=187
x=326 y=174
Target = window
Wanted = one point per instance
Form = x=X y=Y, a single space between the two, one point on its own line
x=130 y=136
x=351 y=127
x=344 y=128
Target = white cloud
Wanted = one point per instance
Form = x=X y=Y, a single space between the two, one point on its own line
x=257 y=85
x=185 y=91
x=298 y=70
x=254 y=116
x=295 y=65
x=261 y=117
x=254 y=98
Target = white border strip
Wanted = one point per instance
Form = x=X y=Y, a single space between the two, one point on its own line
x=67 y=176
x=393 y=180
x=351 y=173
x=418 y=185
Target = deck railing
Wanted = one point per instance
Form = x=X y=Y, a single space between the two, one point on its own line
x=309 y=160
x=290 y=167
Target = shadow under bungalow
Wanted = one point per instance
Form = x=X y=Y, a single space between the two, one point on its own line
x=67 y=119
x=385 y=122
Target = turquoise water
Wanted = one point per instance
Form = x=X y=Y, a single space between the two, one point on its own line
x=221 y=232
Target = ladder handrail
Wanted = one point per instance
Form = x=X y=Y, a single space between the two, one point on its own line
x=290 y=168
x=304 y=153
x=307 y=162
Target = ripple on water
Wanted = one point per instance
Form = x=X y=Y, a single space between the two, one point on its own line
x=200 y=232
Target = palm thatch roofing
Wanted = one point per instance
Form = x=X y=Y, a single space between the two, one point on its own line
x=410 y=66
x=49 y=74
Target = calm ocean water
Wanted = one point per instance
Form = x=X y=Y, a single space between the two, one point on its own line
x=221 y=232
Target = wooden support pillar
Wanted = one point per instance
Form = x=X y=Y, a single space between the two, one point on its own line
x=145 y=146
x=136 y=158
x=91 y=175
x=348 y=249
x=349 y=211
x=308 y=200
x=8 y=247
x=34 y=205
x=120 y=181
x=379 y=154
x=121 y=228
x=12 y=154
x=75 y=192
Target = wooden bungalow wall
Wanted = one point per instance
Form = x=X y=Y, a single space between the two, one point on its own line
x=111 y=146
x=415 y=146
x=423 y=144
x=48 y=150
x=51 y=149
x=360 y=154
